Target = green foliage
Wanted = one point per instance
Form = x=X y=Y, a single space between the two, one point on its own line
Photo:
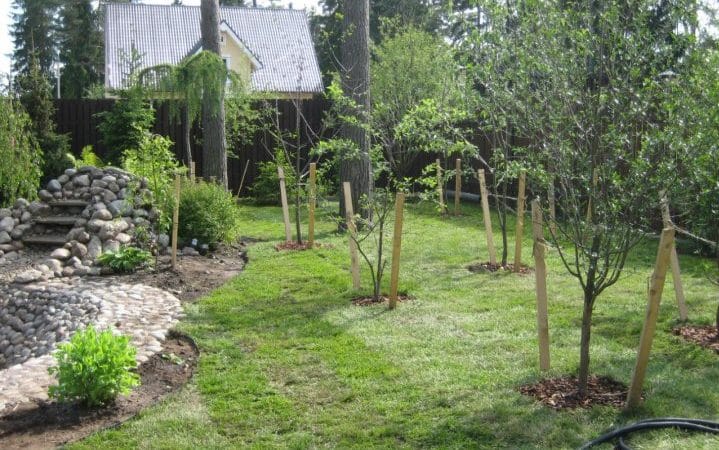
x=20 y=155
x=35 y=95
x=154 y=160
x=87 y=158
x=266 y=188
x=94 y=368
x=125 y=125
x=126 y=260
x=33 y=34
x=80 y=48
x=208 y=213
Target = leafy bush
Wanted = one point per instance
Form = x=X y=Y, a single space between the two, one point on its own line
x=124 y=126
x=126 y=260
x=20 y=155
x=207 y=213
x=153 y=159
x=87 y=158
x=94 y=368
x=266 y=188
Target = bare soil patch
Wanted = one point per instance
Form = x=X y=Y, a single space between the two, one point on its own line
x=704 y=335
x=487 y=267
x=49 y=424
x=294 y=246
x=370 y=301
x=561 y=393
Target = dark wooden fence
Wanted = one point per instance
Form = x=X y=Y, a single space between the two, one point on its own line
x=78 y=119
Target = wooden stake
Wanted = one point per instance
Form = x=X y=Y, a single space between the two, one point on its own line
x=457 y=184
x=175 y=220
x=440 y=188
x=520 y=223
x=285 y=208
x=396 y=248
x=313 y=201
x=552 y=208
x=540 y=277
x=192 y=171
x=487 y=218
x=352 y=230
x=634 y=396
x=674 y=260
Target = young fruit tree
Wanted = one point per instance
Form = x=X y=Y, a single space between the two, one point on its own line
x=589 y=83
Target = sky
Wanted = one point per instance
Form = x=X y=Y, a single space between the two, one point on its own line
x=6 y=46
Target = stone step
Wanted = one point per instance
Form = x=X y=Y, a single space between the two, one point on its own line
x=58 y=240
x=56 y=220
x=69 y=203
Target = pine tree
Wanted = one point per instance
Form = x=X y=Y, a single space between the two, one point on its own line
x=33 y=32
x=80 y=48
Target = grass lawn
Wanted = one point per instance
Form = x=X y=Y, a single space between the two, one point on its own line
x=288 y=362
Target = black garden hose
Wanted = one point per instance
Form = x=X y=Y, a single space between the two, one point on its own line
x=705 y=426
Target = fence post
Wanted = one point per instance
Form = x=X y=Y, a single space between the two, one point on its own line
x=674 y=260
x=396 y=248
x=540 y=277
x=175 y=220
x=487 y=218
x=457 y=184
x=313 y=200
x=440 y=187
x=634 y=396
x=285 y=208
x=520 y=223
x=352 y=231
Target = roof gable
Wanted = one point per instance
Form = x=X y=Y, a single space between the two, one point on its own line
x=277 y=42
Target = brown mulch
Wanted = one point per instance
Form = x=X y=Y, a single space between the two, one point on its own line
x=48 y=424
x=486 y=267
x=293 y=245
x=369 y=301
x=704 y=335
x=561 y=393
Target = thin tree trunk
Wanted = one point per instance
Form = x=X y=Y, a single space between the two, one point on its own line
x=584 y=345
x=298 y=172
x=355 y=84
x=214 y=144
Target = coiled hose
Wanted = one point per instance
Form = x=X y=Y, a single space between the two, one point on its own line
x=705 y=426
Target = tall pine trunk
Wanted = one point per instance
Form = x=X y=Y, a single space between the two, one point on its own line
x=214 y=144
x=355 y=84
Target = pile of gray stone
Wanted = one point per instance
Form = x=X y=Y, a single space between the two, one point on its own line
x=79 y=215
x=33 y=320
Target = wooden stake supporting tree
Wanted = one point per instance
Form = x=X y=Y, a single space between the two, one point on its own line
x=520 y=223
x=396 y=249
x=285 y=208
x=595 y=182
x=656 y=288
x=457 y=184
x=192 y=171
x=313 y=202
x=552 y=208
x=674 y=261
x=540 y=276
x=352 y=230
x=175 y=220
x=487 y=218
x=440 y=188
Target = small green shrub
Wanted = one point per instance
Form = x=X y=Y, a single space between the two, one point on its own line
x=87 y=158
x=266 y=189
x=124 y=126
x=94 y=368
x=207 y=213
x=125 y=260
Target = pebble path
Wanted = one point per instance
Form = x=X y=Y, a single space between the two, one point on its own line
x=142 y=312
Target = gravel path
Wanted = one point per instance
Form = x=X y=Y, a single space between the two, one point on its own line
x=145 y=313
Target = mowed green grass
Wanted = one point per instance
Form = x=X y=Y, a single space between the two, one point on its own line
x=288 y=362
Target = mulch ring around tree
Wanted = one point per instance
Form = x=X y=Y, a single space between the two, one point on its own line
x=486 y=267
x=49 y=424
x=294 y=246
x=561 y=393
x=384 y=299
x=704 y=335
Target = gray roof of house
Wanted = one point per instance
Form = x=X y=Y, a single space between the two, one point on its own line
x=279 y=38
